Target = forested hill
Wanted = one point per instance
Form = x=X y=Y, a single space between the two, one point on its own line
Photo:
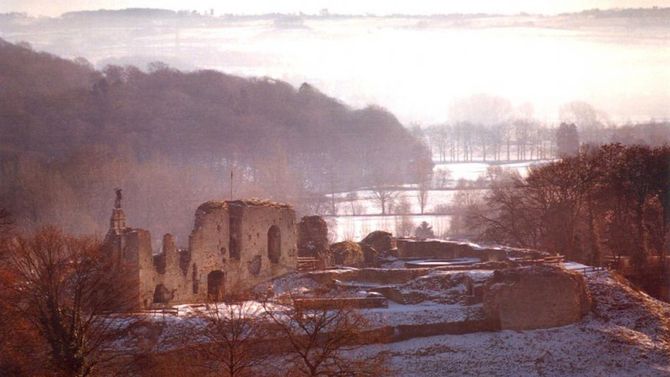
x=75 y=133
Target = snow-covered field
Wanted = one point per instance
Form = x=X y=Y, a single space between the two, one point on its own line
x=355 y=209
x=471 y=171
x=356 y=228
x=367 y=204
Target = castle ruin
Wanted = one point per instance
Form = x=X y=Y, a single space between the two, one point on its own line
x=234 y=246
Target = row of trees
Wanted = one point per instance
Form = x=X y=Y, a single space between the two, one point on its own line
x=489 y=128
x=608 y=201
x=528 y=139
x=466 y=141
x=66 y=312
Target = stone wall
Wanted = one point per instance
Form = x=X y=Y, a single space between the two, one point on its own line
x=409 y=248
x=535 y=297
x=256 y=263
x=440 y=249
x=312 y=237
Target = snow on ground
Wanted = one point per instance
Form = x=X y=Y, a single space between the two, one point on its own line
x=294 y=283
x=443 y=262
x=367 y=204
x=626 y=335
x=477 y=276
x=471 y=171
x=424 y=313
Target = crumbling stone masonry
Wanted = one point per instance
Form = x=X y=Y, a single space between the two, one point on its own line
x=234 y=245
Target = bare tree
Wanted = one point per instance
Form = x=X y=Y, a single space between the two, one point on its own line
x=319 y=337
x=422 y=195
x=66 y=291
x=442 y=177
x=18 y=344
x=352 y=198
x=229 y=339
x=5 y=221
x=423 y=189
x=404 y=226
x=386 y=195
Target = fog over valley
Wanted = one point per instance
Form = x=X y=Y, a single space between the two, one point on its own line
x=416 y=66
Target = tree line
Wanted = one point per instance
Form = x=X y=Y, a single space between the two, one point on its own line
x=604 y=203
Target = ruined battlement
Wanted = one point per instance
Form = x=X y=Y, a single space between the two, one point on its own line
x=234 y=245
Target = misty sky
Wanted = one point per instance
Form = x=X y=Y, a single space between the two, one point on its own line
x=56 y=7
x=416 y=70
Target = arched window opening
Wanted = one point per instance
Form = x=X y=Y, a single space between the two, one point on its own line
x=161 y=294
x=215 y=285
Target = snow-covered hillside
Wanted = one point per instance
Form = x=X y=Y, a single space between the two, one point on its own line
x=626 y=334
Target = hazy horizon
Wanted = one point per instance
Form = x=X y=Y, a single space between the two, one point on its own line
x=379 y=7
x=416 y=68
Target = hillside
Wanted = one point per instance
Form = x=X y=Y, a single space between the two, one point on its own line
x=70 y=133
x=626 y=334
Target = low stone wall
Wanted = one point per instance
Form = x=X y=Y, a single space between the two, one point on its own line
x=440 y=249
x=369 y=275
x=327 y=303
x=408 y=248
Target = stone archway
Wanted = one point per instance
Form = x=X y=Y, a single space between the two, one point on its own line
x=274 y=244
x=215 y=285
x=161 y=295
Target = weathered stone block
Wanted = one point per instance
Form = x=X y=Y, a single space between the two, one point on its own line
x=535 y=297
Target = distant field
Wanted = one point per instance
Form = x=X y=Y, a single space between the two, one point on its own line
x=356 y=218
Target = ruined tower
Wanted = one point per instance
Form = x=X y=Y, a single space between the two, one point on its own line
x=128 y=248
x=234 y=245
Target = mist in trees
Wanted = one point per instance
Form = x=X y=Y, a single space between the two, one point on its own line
x=70 y=134
x=588 y=119
x=489 y=128
x=567 y=140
